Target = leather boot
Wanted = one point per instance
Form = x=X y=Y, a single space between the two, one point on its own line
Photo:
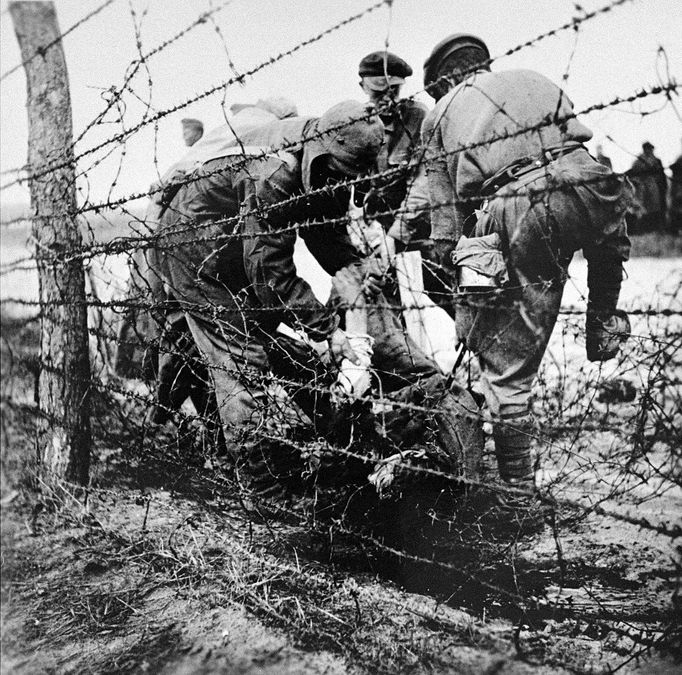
x=519 y=509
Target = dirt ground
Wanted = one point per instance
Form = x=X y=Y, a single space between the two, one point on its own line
x=152 y=581
x=161 y=567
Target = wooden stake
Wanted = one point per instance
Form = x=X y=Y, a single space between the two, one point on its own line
x=63 y=393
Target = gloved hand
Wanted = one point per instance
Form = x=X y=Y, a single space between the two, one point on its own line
x=605 y=333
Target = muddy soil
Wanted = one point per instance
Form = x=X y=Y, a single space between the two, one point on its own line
x=161 y=566
x=163 y=584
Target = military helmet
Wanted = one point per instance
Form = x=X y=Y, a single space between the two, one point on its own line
x=350 y=132
x=445 y=48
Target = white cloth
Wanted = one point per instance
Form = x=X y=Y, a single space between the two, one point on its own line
x=221 y=141
x=427 y=324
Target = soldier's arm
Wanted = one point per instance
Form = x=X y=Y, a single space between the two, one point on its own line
x=607 y=249
x=446 y=220
x=608 y=246
x=268 y=254
x=331 y=246
x=432 y=193
x=415 y=211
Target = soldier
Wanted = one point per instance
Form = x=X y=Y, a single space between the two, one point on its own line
x=375 y=229
x=382 y=74
x=508 y=144
x=396 y=357
x=174 y=362
x=651 y=187
x=225 y=254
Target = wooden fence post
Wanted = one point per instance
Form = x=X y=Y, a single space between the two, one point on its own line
x=63 y=393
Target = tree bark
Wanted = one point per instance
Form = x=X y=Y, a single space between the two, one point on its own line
x=63 y=392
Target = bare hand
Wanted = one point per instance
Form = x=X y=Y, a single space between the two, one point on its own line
x=341 y=349
x=373 y=284
x=348 y=283
x=386 y=251
x=373 y=277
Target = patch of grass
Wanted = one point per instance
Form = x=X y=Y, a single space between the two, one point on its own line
x=73 y=611
x=155 y=646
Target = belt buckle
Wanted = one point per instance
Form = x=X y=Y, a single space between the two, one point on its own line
x=527 y=167
x=519 y=167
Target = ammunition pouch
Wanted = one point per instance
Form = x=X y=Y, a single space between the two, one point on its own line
x=479 y=263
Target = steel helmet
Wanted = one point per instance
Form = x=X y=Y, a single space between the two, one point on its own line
x=445 y=48
x=349 y=131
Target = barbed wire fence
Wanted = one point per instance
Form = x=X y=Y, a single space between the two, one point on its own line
x=607 y=437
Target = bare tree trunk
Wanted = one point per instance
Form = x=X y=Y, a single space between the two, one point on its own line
x=63 y=392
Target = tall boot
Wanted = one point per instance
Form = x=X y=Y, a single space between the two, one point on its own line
x=512 y=448
x=518 y=508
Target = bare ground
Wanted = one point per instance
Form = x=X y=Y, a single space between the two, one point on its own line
x=175 y=588
x=160 y=567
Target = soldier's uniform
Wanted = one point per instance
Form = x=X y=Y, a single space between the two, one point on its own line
x=651 y=187
x=156 y=344
x=225 y=252
x=382 y=74
x=508 y=144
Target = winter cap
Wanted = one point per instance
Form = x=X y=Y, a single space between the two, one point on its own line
x=381 y=70
x=279 y=106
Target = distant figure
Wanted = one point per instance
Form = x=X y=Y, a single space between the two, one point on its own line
x=675 y=204
x=602 y=158
x=192 y=130
x=651 y=186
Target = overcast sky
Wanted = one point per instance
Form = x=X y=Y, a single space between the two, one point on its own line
x=612 y=55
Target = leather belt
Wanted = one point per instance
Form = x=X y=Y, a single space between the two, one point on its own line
x=514 y=170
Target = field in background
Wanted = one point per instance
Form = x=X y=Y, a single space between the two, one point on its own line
x=662 y=252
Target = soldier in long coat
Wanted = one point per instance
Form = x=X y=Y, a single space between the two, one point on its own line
x=651 y=187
